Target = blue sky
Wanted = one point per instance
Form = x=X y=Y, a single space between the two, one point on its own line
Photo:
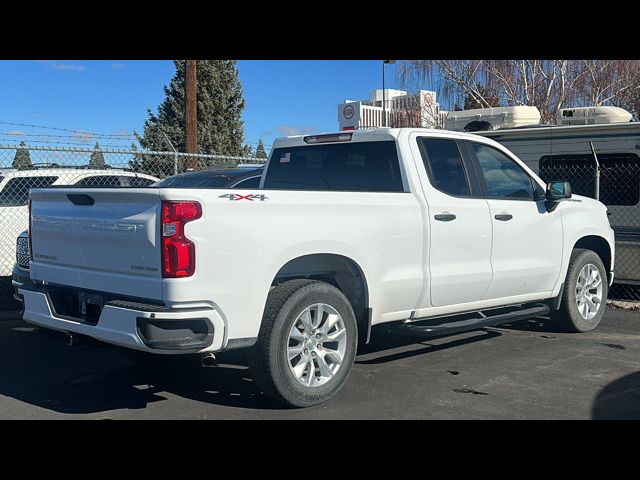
x=111 y=97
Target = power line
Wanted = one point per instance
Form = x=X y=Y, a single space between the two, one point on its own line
x=52 y=135
x=67 y=130
x=87 y=145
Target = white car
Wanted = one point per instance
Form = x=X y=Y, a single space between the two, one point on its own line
x=431 y=232
x=14 y=195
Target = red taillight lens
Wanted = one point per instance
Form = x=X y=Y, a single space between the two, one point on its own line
x=178 y=252
x=29 y=234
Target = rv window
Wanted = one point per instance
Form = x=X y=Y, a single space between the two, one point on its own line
x=619 y=175
x=503 y=177
x=444 y=166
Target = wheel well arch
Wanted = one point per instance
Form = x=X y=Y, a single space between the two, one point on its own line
x=341 y=272
x=600 y=246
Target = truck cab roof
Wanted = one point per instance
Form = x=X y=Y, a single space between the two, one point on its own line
x=365 y=135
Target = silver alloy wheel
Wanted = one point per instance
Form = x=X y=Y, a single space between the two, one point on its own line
x=589 y=291
x=316 y=345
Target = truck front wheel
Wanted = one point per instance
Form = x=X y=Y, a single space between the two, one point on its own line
x=584 y=294
x=306 y=345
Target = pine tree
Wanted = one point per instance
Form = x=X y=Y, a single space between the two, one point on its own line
x=220 y=106
x=22 y=158
x=260 y=151
x=97 y=158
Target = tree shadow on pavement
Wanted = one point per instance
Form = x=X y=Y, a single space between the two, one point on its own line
x=619 y=400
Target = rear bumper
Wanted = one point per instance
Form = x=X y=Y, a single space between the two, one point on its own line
x=18 y=279
x=141 y=327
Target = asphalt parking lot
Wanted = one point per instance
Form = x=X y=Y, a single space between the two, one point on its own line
x=526 y=370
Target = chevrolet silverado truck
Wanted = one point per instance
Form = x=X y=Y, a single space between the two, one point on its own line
x=428 y=231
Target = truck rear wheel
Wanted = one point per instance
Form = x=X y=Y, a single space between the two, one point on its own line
x=584 y=294
x=306 y=345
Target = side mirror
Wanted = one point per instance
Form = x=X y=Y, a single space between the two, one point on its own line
x=558 y=191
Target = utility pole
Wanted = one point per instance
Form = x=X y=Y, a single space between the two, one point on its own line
x=191 y=113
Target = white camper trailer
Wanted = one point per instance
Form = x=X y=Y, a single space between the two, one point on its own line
x=492 y=118
x=593 y=115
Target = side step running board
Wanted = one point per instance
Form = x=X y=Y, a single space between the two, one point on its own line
x=411 y=328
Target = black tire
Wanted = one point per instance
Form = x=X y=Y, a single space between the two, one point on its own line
x=268 y=357
x=568 y=317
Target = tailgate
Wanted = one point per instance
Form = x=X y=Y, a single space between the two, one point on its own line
x=104 y=239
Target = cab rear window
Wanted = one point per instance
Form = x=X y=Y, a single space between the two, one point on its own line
x=350 y=167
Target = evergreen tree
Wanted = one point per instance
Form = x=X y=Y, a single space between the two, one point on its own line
x=260 y=151
x=97 y=158
x=22 y=158
x=220 y=106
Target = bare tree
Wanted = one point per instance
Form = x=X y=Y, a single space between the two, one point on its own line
x=547 y=84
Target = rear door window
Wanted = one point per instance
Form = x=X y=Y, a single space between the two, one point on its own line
x=16 y=192
x=347 y=167
x=444 y=166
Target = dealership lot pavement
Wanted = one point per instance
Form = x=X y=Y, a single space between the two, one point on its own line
x=527 y=370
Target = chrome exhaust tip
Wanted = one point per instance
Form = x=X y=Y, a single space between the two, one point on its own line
x=208 y=360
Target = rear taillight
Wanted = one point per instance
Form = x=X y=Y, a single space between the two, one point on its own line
x=178 y=252
x=29 y=234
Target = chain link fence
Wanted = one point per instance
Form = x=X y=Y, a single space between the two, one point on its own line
x=23 y=168
x=613 y=178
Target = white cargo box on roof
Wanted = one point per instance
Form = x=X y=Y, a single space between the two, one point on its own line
x=492 y=118
x=592 y=115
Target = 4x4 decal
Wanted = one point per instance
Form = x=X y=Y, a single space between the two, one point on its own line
x=250 y=197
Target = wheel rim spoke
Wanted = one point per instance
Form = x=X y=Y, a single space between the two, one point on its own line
x=325 y=371
x=319 y=313
x=334 y=355
x=311 y=373
x=294 y=351
x=306 y=320
x=300 y=367
x=296 y=334
x=336 y=336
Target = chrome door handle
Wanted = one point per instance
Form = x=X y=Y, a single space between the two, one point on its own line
x=503 y=217
x=445 y=217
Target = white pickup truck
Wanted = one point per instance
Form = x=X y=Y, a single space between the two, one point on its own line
x=433 y=232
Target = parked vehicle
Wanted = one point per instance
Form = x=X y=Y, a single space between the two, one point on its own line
x=20 y=275
x=429 y=231
x=238 y=177
x=14 y=195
